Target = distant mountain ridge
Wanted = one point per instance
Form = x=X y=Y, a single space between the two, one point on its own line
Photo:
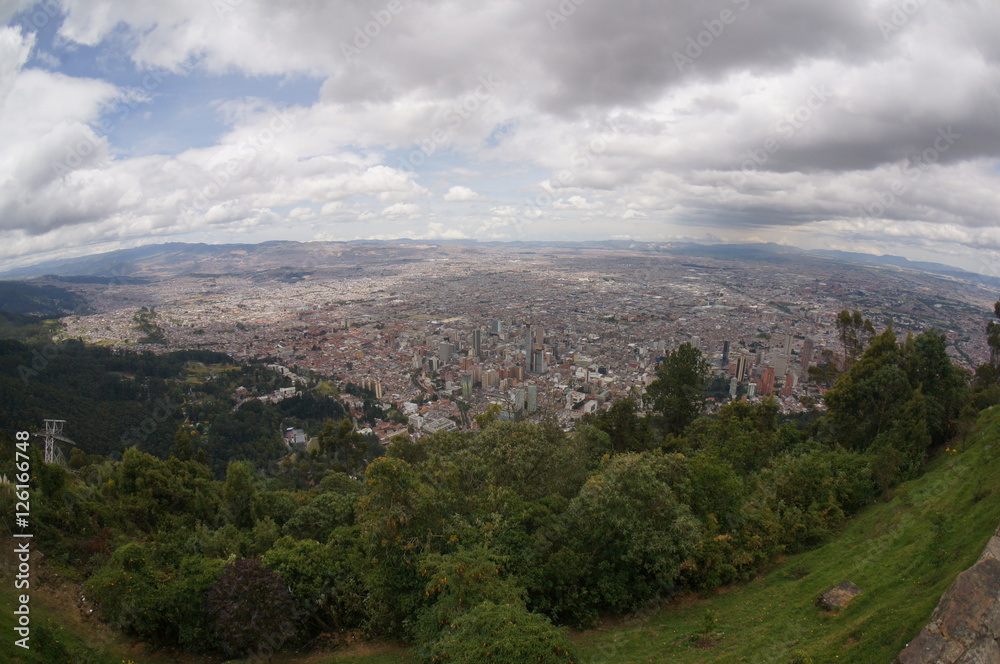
x=160 y=261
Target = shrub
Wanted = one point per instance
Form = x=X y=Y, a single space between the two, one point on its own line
x=501 y=634
x=252 y=610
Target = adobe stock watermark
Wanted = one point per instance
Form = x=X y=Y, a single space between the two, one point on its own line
x=453 y=118
x=371 y=30
x=701 y=42
x=40 y=360
x=223 y=7
x=162 y=410
x=785 y=129
x=900 y=15
x=581 y=161
x=247 y=151
x=565 y=9
x=910 y=173
x=44 y=13
x=77 y=153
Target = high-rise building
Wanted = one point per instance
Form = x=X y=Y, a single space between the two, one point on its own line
x=788 y=345
x=808 y=347
x=725 y=353
x=532 y=398
x=742 y=367
x=529 y=347
x=477 y=343
x=444 y=352
x=752 y=389
x=696 y=342
x=767 y=381
x=538 y=361
x=781 y=364
x=497 y=326
x=534 y=351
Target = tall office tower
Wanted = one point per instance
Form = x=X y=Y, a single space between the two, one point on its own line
x=751 y=389
x=788 y=345
x=539 y=336
x=496 y=327
x=532 y=398
x=733 y=386
x=807 y=353
x=538 y=360
x=519 y=398
x=767 y=381
x=477 y=343
x=444 y=352
x=742 y=367
x=725 y=353
x=781 y=364
x=696 y=342
x=529 y=347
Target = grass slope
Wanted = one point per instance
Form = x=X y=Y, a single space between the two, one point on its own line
x=903 y=553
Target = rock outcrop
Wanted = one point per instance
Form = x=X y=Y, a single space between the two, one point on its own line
x=838 y=597
x=965 y=626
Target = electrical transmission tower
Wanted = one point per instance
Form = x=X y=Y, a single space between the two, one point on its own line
x=53 y=429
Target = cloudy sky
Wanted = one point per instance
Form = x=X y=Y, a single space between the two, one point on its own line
x=857 y=125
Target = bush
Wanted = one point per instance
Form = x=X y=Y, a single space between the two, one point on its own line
x=501 y=634
x=156 y=601
x=251 y=608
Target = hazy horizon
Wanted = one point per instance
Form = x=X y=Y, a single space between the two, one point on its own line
x=860 y=126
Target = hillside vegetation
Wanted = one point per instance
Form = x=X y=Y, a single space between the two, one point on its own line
x=487 y=546
x=903 y=553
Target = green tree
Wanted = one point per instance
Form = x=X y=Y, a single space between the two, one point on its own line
x=744 y=435
x=183 y=447
x=151 y=600
x=929 y=369
x=238 y=495
x=398 y=516
x=866 y=399
x=993 y=338
x=625 y=537
x=855 y=331
x=343 y=444
x=457 y=582
x=677 y=394
x=627 y=431
x=251 y=609
x=322 y=580
x=535 y=460
x=492 y=633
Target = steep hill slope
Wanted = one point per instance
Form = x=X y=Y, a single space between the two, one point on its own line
x=904 y=554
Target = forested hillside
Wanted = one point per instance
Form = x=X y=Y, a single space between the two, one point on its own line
x=471 y=546
x=113 y=400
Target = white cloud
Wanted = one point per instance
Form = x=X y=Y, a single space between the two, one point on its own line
x=459 y=194
x=797 y=117
x=576 y=203
x=409 y=209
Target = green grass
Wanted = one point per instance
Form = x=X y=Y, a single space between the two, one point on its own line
x=890 y=551
x=903 y=554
